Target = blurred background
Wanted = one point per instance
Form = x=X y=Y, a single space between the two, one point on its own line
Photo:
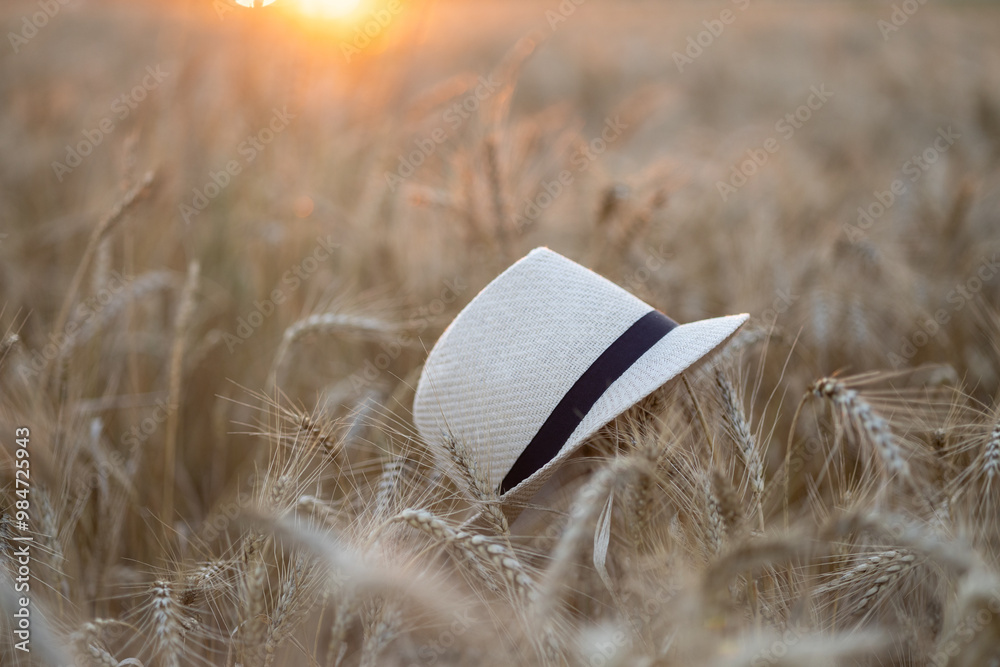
x=221 y=200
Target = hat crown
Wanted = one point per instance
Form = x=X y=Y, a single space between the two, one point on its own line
x=508 y=358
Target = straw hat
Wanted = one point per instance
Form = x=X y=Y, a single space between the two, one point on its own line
x=543 y=357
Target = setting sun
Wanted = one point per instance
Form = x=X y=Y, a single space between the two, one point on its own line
x=326 y=8
x=317 y=8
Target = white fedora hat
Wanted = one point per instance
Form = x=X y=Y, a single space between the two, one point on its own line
x=543 y=357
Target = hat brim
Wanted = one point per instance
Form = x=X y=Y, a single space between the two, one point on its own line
x=675 y=353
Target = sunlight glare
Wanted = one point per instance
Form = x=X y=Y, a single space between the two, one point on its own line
x=327 y=8
x=316 y=8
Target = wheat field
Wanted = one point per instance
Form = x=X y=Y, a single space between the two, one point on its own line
x=229 y=238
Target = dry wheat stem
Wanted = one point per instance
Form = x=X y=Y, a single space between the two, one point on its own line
x=253 y=593
x=326 y=324
x=587 y=504
x=138 y=288
x=185 y=311
x=387 y=489
x=786 y=472
x=701 y=415
x=104 y=227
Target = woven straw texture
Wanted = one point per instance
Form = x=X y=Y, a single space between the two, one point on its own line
x=507 y=359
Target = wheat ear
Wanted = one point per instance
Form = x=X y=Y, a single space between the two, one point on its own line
x=382 y=624
x=169 y=624
x=7 y=345
x=90 y=645
x=293 y=603
x=477 y=485
x=860 y=412
x=732 y=411
x=875 y=575
x=475 y=549
x=991 y=458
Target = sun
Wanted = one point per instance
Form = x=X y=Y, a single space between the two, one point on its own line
x=315 y=8
x=326 y=8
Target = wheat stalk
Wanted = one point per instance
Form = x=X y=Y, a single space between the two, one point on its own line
x=327 y=324
x=388 y=487
x=344 y=614
x=701 y=415
x=104 y=227
x=587 y=504
x=138 y=288
x=184 y=314
x=498 y=199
